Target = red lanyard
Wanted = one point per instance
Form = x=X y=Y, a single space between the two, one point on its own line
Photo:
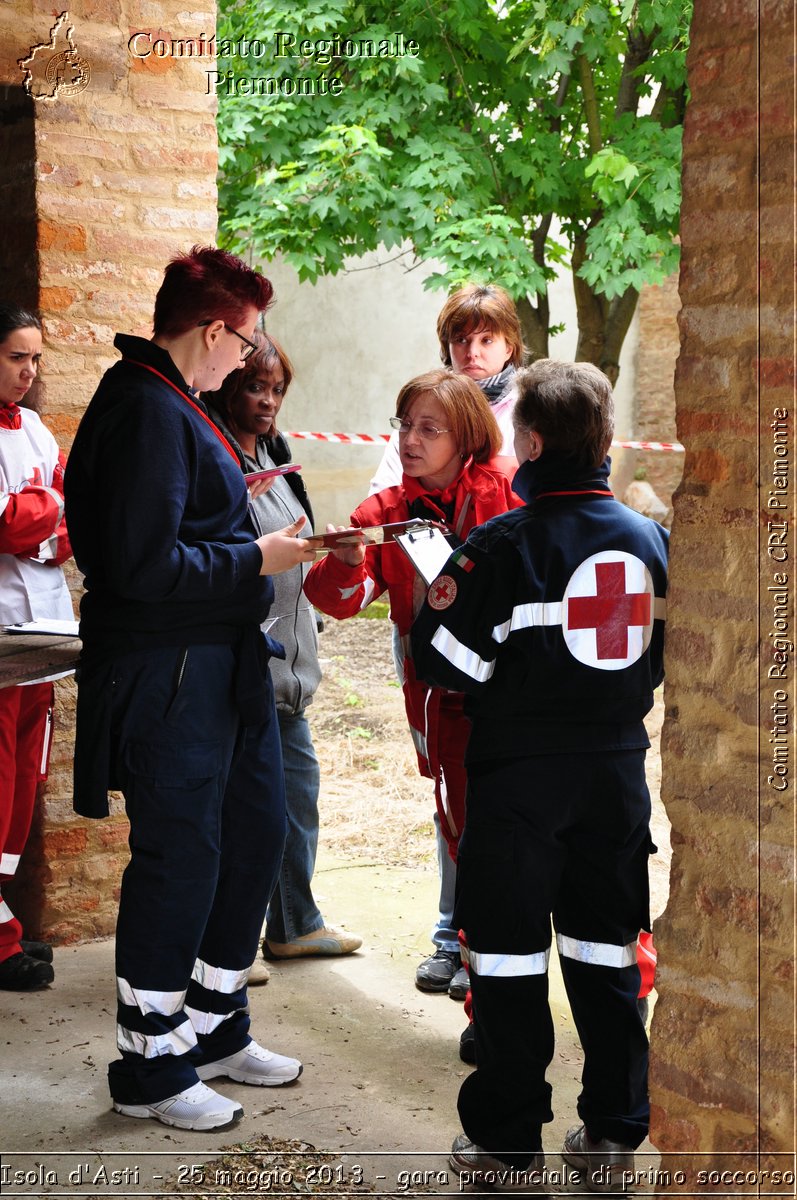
x=585 y=492
x=188 y=400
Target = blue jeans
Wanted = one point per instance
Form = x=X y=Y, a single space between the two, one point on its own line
x=292 y=911
x=444 y=934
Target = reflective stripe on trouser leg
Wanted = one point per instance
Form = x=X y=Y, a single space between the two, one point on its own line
x=599 y=954
x=505 y=1101
x=602 y=983
x=152 y=1023
x=215 y=995
x=176 y=736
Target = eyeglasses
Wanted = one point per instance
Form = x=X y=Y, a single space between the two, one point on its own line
x=250 y=346
x=424 y=430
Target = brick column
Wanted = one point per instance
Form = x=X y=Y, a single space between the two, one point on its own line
x=722 y=1074
x=99 y=188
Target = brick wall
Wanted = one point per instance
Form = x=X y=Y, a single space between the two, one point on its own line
x=97 y=190
x=722 y=1069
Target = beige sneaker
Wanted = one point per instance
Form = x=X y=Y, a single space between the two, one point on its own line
x=325 y=940
x=258 y=973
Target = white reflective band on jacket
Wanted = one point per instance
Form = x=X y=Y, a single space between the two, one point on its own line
x=525 y=616
x=530 y=616
x=461 y=657
x=217 y=979
x=149 y=1001
x=177 y=1041
x=8 y=864
x=598 y=954
x=507 y=966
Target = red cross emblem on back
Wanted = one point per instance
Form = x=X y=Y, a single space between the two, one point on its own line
x=608 y=610
x=611 y=611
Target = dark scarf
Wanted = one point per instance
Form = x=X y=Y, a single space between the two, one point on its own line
x=438 y=505
x=495 y=387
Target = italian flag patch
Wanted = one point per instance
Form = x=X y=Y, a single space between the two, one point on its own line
x=462 y=561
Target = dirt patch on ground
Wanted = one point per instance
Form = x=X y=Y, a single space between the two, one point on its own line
x=374 y=804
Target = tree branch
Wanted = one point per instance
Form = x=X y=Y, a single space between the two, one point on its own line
x=621 y=314
x=667 y=96
x=534 y=324
x=637 y=53
x=590 y=103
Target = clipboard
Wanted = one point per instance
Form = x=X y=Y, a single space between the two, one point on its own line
x=427 y=549
x=370 y=535
x=271 y=472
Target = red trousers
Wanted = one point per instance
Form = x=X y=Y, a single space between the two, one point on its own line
x=25 y=724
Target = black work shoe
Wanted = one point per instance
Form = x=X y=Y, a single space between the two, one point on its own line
x=41 y=951
x=602 y=1161
x=21 y=973
x=479 y=1167
x=467 y=1045
x=459 y=985
x=435 y=973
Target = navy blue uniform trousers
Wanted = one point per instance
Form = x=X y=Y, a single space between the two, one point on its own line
x=206 y=802
x=563 y=837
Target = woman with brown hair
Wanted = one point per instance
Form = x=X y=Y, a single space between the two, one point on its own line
x=480 y=336
x=447 y=437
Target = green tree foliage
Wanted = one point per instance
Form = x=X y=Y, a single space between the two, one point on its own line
x=524 y=136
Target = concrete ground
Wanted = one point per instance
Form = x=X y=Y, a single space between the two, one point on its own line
x=381 y=1068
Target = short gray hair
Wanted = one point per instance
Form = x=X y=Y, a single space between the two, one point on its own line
x=570 y=405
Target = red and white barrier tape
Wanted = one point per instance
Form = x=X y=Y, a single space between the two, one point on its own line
x=675 y=446
x=370 y=439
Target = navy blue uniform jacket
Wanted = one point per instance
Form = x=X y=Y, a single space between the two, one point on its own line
x=157 y=511
x=550 y=619
x=158 y=515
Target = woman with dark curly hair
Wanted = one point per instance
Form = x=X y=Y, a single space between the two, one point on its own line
x=246 y=408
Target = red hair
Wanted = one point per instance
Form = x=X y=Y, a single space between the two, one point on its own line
x=207 y=284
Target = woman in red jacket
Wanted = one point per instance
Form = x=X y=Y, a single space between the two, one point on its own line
x=447 y=436
x=33 y=543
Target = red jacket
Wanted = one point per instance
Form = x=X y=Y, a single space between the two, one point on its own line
x=480 y=492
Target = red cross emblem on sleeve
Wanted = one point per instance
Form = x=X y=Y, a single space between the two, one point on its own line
x=442 y=592
x=608 y=610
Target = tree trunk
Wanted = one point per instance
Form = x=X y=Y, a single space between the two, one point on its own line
x=534 y=325
x=602 y=323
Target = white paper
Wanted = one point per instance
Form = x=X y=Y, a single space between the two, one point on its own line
x=51 y=627
x=428 y=551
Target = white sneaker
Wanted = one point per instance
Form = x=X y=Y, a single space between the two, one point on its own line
x=198 y=1107
x=258 y=973
x=255 y=1065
